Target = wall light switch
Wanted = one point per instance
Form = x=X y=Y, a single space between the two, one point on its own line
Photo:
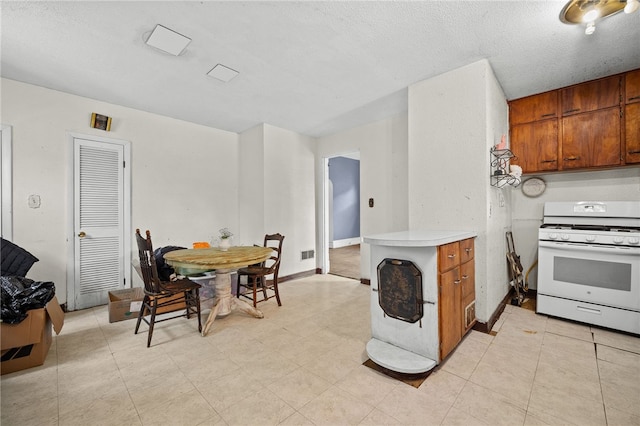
x=370 y=202
x=34 y=201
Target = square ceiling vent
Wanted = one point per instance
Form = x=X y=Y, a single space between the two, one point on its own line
x=168 y=40
x=222 y=73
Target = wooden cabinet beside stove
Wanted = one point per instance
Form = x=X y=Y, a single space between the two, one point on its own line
x=632 y=117
x=591 y=125
x=456 y=292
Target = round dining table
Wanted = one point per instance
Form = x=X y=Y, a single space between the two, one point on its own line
x=195 y=261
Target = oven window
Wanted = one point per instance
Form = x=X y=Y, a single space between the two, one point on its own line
x=595 y=273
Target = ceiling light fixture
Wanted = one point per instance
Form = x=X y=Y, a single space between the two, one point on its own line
x=167 y=40
x=222 y=73
x=588 y=11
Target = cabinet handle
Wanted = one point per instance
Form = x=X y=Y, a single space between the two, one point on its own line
x=571 y=158
x=634 y=152
x=633 y=98
x=551 y=114
x=457 y=282
x=451 y=256
x=572 y=110
x=548 y=161
x=468 y=250
x=465 y=277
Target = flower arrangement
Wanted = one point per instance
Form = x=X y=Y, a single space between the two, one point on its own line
x=225 y=233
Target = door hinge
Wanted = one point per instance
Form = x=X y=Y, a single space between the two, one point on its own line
x=124 y=164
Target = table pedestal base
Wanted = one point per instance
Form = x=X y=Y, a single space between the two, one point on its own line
x=226 y=302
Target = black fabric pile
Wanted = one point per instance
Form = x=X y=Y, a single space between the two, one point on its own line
x=164 y=271
x=19 y=294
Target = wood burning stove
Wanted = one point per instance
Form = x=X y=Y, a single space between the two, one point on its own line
x=400 y=290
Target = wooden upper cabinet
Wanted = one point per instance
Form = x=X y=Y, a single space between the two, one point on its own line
x=533 y=108
x=632 y=87
x=591 y=96
x=535 y=146
x=632 y=132
x=591 y=139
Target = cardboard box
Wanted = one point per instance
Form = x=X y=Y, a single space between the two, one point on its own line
x=26 y=344
x=125 y=304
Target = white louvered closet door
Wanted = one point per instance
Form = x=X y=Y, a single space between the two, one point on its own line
x=98 y=221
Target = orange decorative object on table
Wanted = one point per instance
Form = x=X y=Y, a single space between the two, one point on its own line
x=201 y=245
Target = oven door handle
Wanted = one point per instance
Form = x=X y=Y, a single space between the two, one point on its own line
x=590 y=247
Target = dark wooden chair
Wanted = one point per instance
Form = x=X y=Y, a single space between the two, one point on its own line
x=257 y=274
x=163 y=296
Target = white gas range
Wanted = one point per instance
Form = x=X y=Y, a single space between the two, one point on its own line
x=589 y=263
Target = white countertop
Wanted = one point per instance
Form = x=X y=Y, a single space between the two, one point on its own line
x=417 y=238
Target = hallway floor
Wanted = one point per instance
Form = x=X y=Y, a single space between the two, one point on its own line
x=302 y=365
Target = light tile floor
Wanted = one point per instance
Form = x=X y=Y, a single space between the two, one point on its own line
x=302 y=365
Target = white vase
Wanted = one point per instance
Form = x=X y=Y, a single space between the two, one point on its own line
x=225 y=243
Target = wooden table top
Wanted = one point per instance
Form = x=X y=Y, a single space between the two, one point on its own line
x=213 y=258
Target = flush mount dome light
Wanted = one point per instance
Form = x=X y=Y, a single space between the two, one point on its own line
x=582 y=11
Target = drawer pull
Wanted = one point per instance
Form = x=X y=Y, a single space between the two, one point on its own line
x=551 y=114
x=451 y=256
x=634 y=152
x=633 y=98
x=465 y=277
x=457 y=281
x=571 y=158
x=548 y=161
x=468 y=250
x=589 y=310
x=572 y=110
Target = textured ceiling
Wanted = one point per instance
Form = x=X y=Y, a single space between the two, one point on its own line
x=311 y=67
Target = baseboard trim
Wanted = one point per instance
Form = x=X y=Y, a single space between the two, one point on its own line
x=486 y=327
x=297 y=275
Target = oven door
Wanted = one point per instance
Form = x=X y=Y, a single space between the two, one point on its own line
x=602 y=275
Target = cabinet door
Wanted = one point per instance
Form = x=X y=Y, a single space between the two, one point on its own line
x=534 y=108
x=632 y=86
x=466 y=250
x=450 y=318
x=448 y=256
x=632 y=133
x=591 y=96
x=467 y=295
x=591 y=140
x=535 y=146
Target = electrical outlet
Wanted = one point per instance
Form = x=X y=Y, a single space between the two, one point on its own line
x=500 y=199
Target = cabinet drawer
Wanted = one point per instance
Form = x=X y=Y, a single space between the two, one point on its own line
x=466 y=250
x=448 y=256
x=591 y=96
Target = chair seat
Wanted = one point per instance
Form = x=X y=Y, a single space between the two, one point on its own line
x=179 y=286
x=255 y=270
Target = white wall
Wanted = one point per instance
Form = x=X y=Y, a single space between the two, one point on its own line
x=453 y=120
x=277 y=192
x=184 y=182
x=383 y=177
x=289 y=187
x=610 y=185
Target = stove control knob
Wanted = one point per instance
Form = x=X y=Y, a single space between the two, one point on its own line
x=618 y=240
x=553 y=236
x=591 y=238
x=564 y=236
x=634 y=240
